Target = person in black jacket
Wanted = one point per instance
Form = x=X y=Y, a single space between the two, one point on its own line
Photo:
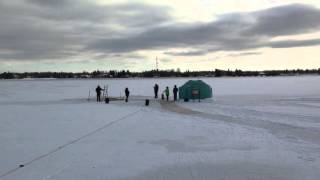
x=127 y=92
x=98 y=91
x=156 y=89
x=175 y=92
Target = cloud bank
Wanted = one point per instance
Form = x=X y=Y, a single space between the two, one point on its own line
x=56 y=30
x=231 y=32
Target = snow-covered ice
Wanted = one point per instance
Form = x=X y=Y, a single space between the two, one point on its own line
x=253 y=128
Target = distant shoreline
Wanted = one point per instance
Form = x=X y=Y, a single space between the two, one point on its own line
x=137 y=78
x=156 y=74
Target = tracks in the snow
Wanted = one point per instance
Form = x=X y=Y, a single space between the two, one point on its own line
x=281 y=130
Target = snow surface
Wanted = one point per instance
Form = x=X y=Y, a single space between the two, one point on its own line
x=253 y=128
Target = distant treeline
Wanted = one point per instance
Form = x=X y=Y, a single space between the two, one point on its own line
x=157 y=73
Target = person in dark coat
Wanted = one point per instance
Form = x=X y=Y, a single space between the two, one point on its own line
x=156 y=89
x=175 y=92
x=98 y=91
x=127 y=92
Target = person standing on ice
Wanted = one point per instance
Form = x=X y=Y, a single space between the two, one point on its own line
x=156 y=89
x=98 y=91
x=127 y=92
x=175 y=92
x=167 y=93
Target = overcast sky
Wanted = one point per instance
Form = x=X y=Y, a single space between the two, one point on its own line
x=78 y=35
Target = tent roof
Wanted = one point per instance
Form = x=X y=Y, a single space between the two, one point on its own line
x=195 y=82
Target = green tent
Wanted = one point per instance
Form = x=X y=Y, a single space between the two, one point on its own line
x=195 y=90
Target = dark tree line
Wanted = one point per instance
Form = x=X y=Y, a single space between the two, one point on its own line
x=157 y=73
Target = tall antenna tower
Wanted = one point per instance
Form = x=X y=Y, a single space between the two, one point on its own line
x=157 y=64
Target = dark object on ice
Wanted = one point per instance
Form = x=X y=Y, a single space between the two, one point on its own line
x=98 y=91
x=127 y=92
x=156 y=89
x=167 y=92
x=21 y=165
x=106 y=100
x=175 y=92
x=195 y=90
x=147 y=102
x=162 y=96
x=186 y=100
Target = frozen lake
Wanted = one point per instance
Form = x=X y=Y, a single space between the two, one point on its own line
x=254 y=128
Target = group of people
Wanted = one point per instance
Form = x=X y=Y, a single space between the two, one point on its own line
x=166 y=93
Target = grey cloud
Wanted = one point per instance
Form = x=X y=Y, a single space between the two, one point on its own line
x=59 y=29
x=27 y=40
x=119 y=56
x=159 y=38
x=165 y=60
x=243 y=54
x=294 y=43
x=231 y=32
x=187 y=53
x=50 y=3
x=127 y=15
x=50 y=29
x=286 y=20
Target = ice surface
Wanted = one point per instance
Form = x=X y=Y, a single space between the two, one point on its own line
x=253 y=128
